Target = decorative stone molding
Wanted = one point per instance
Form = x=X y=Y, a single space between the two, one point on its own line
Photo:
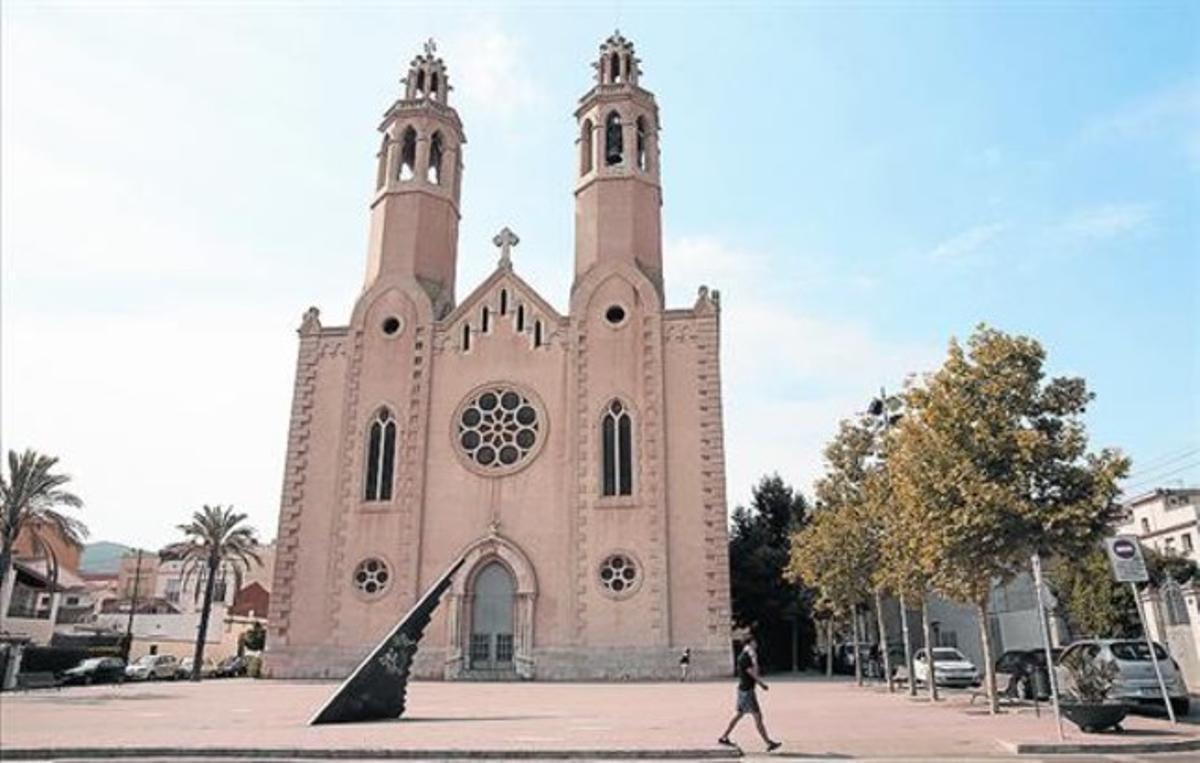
x=712 y=472
x=492 y=547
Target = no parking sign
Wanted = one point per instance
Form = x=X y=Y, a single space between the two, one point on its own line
x=1125 y=554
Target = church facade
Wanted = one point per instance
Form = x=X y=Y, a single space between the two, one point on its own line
x=576 y=459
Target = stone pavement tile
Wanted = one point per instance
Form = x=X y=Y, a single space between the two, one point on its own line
x=814 y=717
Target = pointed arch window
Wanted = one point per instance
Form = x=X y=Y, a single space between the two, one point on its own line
x=641 y=143
x=485 y=320
x=408 y=155
x=433 y=83
x=504 y=301
x=520 y=317
x=614 y=140
x=614 y=68
x=466 y=337
x=585 y=148
x=436 y=149
x=421 y=82
x=381 y=457
x=537 y=333
x=616 y=468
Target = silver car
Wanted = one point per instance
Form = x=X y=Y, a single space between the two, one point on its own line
x=1135 y=683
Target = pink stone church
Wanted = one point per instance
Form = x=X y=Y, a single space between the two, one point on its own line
x=575 y=458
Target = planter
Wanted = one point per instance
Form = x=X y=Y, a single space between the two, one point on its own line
x=1092 y=717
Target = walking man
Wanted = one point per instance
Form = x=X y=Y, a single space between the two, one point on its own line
x=685 y=663
x=747 y=700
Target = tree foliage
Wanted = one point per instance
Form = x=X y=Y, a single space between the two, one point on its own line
x=30 y=495
x=991 y=464
x=762 y=600
x=216 y=546
x=1096 y=605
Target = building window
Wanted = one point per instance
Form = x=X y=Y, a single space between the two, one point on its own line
x=619 y=574
x=485 y=320
x=614 y=140
x=537 y=333
x=381 y=454
x=466 y=338
x=172 y=591
x=371 y=576
x=1145 y=525
x=1187 y=542
x=434 y=174
x=498 y=429
x=408 y=155
x=504 y=301
x=641 y=143
x=617 y=436
x=1173 y=601
x=520 y=318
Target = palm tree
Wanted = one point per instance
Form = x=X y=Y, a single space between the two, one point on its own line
x=216 y=545
x=29 y=496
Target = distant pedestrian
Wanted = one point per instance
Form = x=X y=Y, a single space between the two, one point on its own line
x=747 y=700
x=685 y=663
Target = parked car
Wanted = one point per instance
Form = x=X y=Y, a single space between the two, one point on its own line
x=232 y=666
x=184 y=668
x=152 y=666
x=1026 y=669
x=950 y=667
x=1136 y=684
x=96 y=670
x=843 y=656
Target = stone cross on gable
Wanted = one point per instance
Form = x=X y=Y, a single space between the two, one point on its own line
x=506 y=240
x=430 y=47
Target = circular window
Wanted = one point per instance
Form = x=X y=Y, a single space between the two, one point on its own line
x=620 y=574
x=498 y=429
x=615 y=315
x=372 y=576
x=392 y=325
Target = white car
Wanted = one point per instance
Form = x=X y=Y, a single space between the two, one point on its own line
x=1135 y=683
x=184 y=670
x=950 y=667
x=152 y=666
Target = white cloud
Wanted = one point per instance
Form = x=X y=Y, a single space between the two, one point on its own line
x=1171 y=114
x=1106 y=221
x=966 y=244
x=789 y=375
x=489 y=72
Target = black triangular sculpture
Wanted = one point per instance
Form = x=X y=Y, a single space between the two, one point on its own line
x=377 y=687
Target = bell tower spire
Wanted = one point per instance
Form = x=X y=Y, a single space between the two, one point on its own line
x=418 y=180
x=618 y=196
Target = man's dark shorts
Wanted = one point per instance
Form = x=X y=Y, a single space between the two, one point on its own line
x=747 y=701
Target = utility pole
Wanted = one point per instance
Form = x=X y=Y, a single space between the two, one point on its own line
x=137 y=577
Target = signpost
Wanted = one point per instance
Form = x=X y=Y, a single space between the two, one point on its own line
x=1037 y=584
x=1125 y=554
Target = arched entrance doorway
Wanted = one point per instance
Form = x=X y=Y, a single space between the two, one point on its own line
x=492 y=618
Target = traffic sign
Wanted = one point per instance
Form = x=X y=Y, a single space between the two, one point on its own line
x=1125 y=554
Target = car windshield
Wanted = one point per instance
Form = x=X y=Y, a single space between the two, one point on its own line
x=90 y=663
x=1135 y=651
x=948 y=655
x=147 y=659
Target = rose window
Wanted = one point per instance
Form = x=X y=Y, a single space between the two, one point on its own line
x=371 y=576
x=498 y=429
x=619 y=574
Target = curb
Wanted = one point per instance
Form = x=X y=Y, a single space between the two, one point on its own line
x=258 y=753
x=1103 y=748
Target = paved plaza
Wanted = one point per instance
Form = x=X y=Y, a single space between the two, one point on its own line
x=814 y=717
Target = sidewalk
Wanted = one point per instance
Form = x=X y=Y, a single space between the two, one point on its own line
x=813 y=716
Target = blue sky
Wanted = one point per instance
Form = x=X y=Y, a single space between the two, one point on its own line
x=862 y=182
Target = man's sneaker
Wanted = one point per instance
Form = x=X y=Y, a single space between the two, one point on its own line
x=725 y=741
x=773 y=746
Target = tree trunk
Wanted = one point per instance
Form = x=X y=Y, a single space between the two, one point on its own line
x=908 y=660
x=886 y=658
x=829 y=647
x=927 y=627
x=858 y=676
x=989 y=668
x=202 y=631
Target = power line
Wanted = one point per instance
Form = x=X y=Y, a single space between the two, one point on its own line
x=1172 y=455
x=1151 y=469
x=1140 y=485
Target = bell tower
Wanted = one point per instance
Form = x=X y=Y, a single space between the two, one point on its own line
x=418 y=178
x=618 y=196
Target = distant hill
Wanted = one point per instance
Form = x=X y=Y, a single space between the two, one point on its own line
x=102 y=557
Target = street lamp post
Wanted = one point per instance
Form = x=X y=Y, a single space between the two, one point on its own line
x=879 y=409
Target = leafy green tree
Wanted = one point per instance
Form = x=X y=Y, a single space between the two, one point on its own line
x=762 y=600
x=1095 y=604
x=216 y=545
x=1163 y=565
x=995 y=457
x=30 y=495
